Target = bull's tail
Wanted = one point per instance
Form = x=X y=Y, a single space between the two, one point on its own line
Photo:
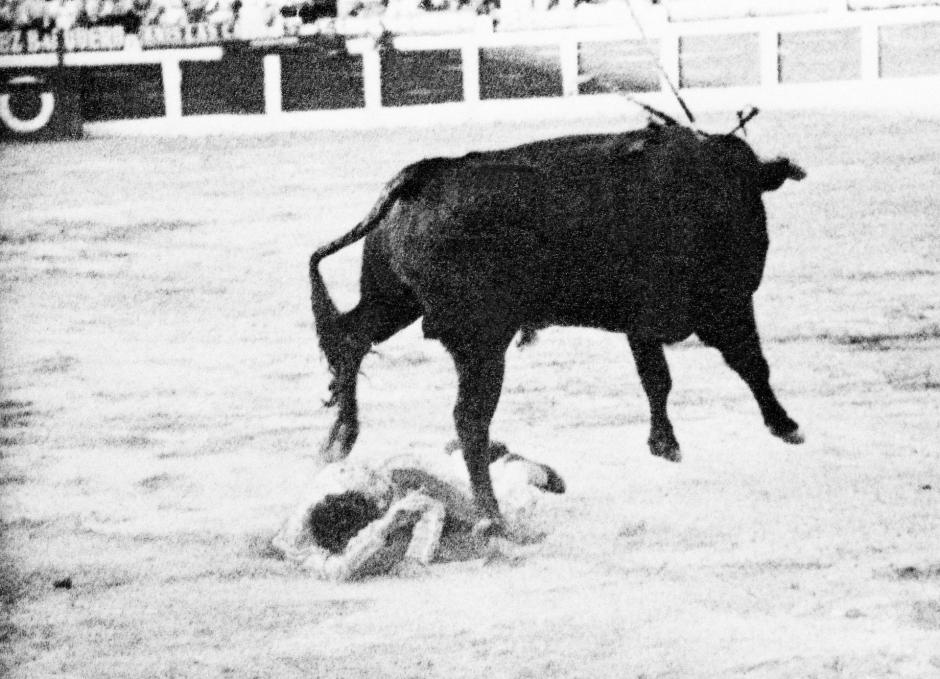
x=406 y=184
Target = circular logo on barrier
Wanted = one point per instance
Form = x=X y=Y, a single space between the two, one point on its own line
x=27 y=104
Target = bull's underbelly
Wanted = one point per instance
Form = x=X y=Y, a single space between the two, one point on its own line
x=472 y=297
x=632 y=307
x=471 y=281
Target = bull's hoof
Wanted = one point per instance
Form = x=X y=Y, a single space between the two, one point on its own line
x=486 y=530
x=794 y=436
x=553 y=482
x=665 y=447
x=498 y=544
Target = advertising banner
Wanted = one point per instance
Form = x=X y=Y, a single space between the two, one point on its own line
x=100 y=38
x=39 y=105
x=32 y=41
x=185 y=35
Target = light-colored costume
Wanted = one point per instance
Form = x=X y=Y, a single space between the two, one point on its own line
x=435 y=493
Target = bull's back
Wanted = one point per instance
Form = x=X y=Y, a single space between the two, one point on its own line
x=553 y=232
x=471 y=246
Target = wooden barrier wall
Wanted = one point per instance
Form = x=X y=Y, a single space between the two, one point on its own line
x=765 y=52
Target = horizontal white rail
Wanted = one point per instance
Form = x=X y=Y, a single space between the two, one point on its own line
x=804 y=22
x=129 y=57
x=124 y=57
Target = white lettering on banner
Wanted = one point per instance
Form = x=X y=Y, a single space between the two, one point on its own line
x=74 y=40
x=97 y=38
x=11 y=42
x=41 y=43
x=185 y=36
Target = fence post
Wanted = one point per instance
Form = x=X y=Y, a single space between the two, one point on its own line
x=272 y=83
x=372 y=77
x=568 y=52
x=172 y=87
x=871 y=51
x=769 y=57
x=470 y=71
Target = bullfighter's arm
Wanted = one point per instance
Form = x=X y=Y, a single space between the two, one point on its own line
x=295 y=543
x=347 y=564
x=426 y=535
x=415 y=509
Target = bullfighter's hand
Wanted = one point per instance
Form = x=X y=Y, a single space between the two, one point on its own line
x=406 y=511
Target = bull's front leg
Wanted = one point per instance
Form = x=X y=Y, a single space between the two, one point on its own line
x=651 y=365
x=739 y=344
x=480 y=381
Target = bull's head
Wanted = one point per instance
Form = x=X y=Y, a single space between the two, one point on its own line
x=774 y=172
x=737 y=159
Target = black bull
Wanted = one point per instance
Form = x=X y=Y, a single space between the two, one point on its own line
x=658 y=233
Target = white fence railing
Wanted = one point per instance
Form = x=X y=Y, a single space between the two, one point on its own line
x=667 y=33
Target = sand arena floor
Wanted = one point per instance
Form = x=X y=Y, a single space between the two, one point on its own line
x=161 y=395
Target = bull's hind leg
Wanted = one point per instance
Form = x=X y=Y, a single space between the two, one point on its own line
x=654 y=375
x=735 y=336
x=345 y=428
x=385 y=307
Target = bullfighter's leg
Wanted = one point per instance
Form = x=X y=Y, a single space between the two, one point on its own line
x=385 y=307
x=651 y=365
x=737 y=339
x=480 y=381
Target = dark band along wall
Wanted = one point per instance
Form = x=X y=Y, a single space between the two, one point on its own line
x=321 y=75
x=520 y=72
x=116 y=92
x=421 y=77
x=314 y=77
x=235 y=84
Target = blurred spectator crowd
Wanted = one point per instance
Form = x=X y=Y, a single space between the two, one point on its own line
x=246 y=17
x=45 y=15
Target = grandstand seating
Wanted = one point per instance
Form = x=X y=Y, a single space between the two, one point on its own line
x=696 y=10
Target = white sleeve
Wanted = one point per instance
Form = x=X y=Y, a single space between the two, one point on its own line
x=426 y=534
x=359 y=550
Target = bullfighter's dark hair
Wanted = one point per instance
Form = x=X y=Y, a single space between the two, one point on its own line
x=337 y=518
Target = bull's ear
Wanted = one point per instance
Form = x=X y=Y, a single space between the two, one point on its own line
x=773 y=173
